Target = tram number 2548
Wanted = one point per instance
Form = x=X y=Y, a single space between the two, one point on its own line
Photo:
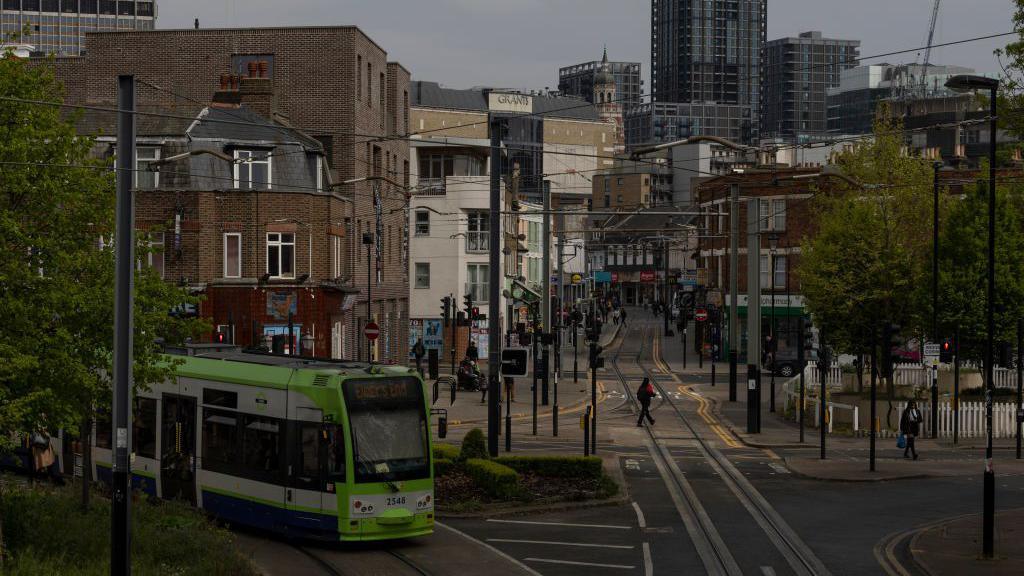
x=394 y=501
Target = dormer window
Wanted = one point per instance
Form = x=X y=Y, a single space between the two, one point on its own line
x=252 y=170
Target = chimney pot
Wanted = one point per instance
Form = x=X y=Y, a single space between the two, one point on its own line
x=253 y=69
x=263 y=66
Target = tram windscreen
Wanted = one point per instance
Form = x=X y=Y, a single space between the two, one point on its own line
x=389 y=429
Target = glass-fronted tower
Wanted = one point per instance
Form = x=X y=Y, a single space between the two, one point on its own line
x=59 y=26
x=709 y=51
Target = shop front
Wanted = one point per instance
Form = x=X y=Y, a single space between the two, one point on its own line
x=782 y=312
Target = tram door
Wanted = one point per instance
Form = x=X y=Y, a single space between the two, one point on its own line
x=178 y=449
x=305 y=464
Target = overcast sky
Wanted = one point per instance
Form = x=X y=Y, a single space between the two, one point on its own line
x=522 y=43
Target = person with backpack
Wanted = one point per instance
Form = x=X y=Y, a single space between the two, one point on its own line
x=645 y=394
x=418 y=352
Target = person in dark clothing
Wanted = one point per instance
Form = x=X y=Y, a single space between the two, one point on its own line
x=910 y=427
x=645 y=394
x=472 y=352
x=622 y=316
x=418 y=351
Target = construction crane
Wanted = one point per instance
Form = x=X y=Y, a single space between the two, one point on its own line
x=928 y=48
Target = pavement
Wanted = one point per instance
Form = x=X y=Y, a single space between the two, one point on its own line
x=468 y=411
x=952 y=547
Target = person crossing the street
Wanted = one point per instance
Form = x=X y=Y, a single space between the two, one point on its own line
x=645 y=394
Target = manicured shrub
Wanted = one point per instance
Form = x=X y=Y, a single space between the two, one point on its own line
x=499 y=481
x=446 y=451
x=474 y=445
x=442 y=466
x=555 y=466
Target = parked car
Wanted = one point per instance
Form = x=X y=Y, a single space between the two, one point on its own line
x=786 y=363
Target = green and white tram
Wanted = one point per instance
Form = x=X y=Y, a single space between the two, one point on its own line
x=309 y=448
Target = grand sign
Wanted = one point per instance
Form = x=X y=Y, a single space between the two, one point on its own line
x=505 y=102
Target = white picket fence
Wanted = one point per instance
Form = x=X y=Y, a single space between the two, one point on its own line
x=812 y=376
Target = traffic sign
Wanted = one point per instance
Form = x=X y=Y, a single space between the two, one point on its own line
x=371 y=331
x=931 y=349
x=701 y=315
x=514 y=361
x=577 y=278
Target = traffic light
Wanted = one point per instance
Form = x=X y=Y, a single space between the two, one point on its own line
x=596 y=361
x=807 y=337
x=946 y=351
x=446 y=308
x=474 y=313
x=220 y=337
x=467 y=302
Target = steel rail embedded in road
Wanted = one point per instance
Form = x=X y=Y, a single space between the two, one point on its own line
x=710 y=546
x=331 y=570
x=799 y=556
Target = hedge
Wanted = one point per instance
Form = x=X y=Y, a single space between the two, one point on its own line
x=498 y=480
x=555 y=466
x=474 y=445
x=442 y=466
x=446 y=451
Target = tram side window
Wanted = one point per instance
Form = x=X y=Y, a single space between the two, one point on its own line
x=335 y=453
x=220 y=441
x=309 y=450
x=103 y=429
x=144 y=428
x=261 y=447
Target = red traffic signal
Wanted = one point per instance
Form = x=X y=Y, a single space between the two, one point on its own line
x=474 y=313
x=946 y=351
x=220 y=338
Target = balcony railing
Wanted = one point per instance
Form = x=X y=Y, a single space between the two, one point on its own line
x=430 y=187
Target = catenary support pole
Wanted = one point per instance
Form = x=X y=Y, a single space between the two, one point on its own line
x=801 y=353
x=823 y=363
x=558 y=313
x=989 y=505
x=535 y=342
x=124 y=322
x=1020 y=381
x=935 y=297
x=874 y=395
x=734 y=270
x=545 y=298
x=753 y=317
x=956 y=385
x=494 y=289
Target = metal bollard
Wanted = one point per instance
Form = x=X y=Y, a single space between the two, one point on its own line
x=712 y=373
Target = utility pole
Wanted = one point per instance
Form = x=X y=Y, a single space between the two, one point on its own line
x=753 y=317
x=124 y=323
x=1020 y=379
x=494 y=288
x=956 y=385
x=665 y=291
x=801 y=354
x=558 y=342
x=823 y=361
x=454 y=324
x=535 y=341
x=734 y=270
x=874 y=394
x=545 y=301
x=935 y=297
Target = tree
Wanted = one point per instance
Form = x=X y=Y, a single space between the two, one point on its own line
x=56 y=281
x=963 y=269
x=1011 y=88
x=867 y=260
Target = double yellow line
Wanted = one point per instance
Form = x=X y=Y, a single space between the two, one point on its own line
x=703 y=406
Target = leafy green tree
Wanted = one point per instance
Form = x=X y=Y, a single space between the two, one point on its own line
x=56 y=282
x=866 y=261
x=963 y=269
x=1011 y=90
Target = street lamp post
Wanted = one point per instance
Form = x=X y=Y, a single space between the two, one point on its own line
x=962 y=83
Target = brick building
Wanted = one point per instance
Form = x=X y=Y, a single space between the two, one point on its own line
x=786 y=214
x=336 y=86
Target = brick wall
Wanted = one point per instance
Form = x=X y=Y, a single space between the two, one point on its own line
x=314 y=78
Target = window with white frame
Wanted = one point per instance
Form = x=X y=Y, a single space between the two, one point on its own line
x=780 y=271
x=766 y=273
x=319 y=173
x=478 y=232
x=335 y=256
x=155 y=254
x=144 y=178
x=778 y=215
x=422 y=275
x=763 y=218
x=422 y=223
x=253 y=170
x=281 y=254
x=477 y=276
x=232 y=255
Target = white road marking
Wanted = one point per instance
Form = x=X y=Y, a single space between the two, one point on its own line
x=648 y=561
x=560 y=524
x=767 y=571
x=580 y=544
x=778 y=467
x=632 y=464
x=640 y=516
x=571 y=563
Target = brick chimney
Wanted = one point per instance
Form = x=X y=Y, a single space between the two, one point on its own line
x=257 y=91
x=227 y=95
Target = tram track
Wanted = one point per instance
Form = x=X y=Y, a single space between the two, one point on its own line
x=356 y=562
x=714 y=553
